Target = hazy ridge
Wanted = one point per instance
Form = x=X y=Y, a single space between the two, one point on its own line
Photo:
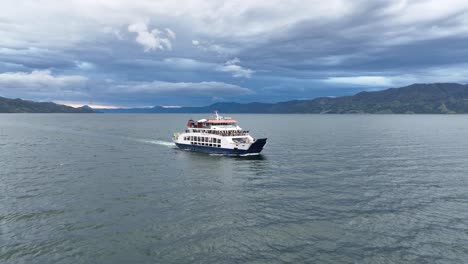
x=437 y=98
x=24 y=106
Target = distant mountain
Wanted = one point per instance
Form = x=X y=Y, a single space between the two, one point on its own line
x=437 y=98
x=24 y=106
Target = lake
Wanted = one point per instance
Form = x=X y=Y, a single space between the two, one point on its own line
x=112 y=188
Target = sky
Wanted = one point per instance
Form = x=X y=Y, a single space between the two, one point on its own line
x=119 y=53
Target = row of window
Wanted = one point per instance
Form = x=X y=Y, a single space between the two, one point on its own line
x=205 y=144
x=202 y=139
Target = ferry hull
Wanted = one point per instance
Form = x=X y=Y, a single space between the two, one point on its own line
x=255 y=148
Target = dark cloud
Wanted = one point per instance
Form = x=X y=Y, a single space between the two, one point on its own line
x=167 y=53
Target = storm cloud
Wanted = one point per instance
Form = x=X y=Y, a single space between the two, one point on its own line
x=140 y=53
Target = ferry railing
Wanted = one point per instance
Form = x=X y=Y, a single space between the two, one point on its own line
x=220 y=133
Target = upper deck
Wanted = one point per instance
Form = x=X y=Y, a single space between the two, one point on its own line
x=223 y=126
x=219 y=122
x=224 y=133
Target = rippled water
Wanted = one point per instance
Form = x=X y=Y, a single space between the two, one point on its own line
x=327 y=189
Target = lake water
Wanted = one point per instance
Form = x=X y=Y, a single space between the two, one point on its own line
x=97 y=188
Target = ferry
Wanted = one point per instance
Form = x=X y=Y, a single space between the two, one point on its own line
x=218 y=135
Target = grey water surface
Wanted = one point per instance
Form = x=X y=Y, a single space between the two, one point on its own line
x=97 y=188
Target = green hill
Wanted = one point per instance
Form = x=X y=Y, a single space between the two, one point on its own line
x=24 y=106
x=437 y=98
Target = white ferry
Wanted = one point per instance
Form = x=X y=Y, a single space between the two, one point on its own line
x=219 y=135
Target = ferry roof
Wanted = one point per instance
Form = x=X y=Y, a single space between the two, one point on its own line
x=221 y=121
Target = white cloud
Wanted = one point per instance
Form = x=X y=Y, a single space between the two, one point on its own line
x=287 y=38
x=84 y=65
x=40 y=80
x=187 y=64
x=180 y=88
x=449 y=73
x=66 y=27
x=412 y=12
x=42 y=85
x=208 y=46
x=170 y=33
x=238 y=21
x=361 y=80
x=233 y=67
x=154 y=39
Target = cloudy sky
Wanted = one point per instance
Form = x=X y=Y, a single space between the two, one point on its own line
x=144 y=53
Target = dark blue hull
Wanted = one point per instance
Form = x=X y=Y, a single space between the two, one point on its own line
x=255 y=148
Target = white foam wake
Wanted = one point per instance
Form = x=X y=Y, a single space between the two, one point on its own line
x=158 y=142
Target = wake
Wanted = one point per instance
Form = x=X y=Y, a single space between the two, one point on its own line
x=157 y=142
